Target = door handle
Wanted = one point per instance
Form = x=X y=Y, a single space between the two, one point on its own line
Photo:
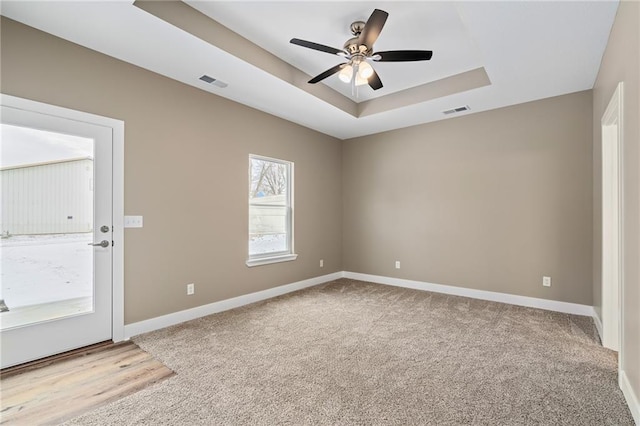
x=103 y=243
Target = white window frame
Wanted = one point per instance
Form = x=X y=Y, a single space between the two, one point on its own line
x=282 y=256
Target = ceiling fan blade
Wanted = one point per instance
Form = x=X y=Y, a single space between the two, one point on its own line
x=316 y=46
x=374 y=81
x=372 y=28
x=327 y=73
x=403 y=55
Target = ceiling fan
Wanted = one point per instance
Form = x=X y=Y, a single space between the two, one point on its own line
x=358 y=51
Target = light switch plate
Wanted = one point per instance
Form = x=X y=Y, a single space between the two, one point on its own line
x=133 y=221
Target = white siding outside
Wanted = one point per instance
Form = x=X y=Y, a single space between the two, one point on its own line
x=269 y=217
x=47 y=198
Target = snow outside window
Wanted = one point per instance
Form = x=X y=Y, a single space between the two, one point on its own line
x=270 y=211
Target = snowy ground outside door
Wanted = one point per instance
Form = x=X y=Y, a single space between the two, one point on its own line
x=38 y=269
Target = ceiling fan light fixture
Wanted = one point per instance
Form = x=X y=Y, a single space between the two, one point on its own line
x=365 y=70
x=360 y=81
x=346 y=73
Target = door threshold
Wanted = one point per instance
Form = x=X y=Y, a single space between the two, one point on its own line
x=43 y=362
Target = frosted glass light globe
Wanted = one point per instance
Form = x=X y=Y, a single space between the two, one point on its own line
x=365 y=70
x=346 y=73
x=361 y=81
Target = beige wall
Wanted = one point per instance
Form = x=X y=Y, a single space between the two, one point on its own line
x=621 y=62
x=490 y=201
x=186 y=160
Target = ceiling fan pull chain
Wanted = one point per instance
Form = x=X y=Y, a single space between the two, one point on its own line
x=353 y=80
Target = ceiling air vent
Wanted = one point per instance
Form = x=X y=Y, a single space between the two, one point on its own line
x=456 y=110
x=213 y=81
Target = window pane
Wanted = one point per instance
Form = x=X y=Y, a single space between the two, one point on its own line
x=268 y=178
x=267 y=229
x=46 y=220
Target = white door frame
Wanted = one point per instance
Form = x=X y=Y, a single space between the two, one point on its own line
x=117 y=126
x=612 y=224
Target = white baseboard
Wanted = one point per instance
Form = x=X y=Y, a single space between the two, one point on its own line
x=224 y=305
x=531 y=302
x=598 y=322
x=632 y=398
x=157 y=323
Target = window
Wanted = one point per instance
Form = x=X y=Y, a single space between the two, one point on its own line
x=270 y=211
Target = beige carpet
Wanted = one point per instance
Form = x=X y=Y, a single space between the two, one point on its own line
x=350 y=352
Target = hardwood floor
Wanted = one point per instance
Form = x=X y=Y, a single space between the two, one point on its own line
x=56 y=389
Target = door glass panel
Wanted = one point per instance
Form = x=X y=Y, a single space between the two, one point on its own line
x=46 y=224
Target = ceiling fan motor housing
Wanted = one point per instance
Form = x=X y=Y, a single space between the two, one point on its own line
x=352 y=45
x=353 y=48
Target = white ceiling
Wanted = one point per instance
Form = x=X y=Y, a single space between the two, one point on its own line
x=435 y=26
x=529 y=49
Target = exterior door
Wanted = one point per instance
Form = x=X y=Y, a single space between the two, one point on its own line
x=57 y=234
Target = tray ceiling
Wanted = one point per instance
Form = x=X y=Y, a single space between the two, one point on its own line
x=486 y=54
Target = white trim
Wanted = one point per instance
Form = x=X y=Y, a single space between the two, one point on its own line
x=117 y=126
x=531 y=302
x=223 y=305
x=632 y=399
x=612 y=224
x=273 y=259
x=598 y=323
x=117 y=312
x=157 y=323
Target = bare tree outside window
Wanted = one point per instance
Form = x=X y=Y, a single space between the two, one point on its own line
x=268 y=178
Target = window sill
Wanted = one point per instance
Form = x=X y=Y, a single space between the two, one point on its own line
x=268 y=260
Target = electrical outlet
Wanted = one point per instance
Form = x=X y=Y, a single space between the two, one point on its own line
x=191 y=288
x=322 y=263
x=546 y=281
x=397 y=264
